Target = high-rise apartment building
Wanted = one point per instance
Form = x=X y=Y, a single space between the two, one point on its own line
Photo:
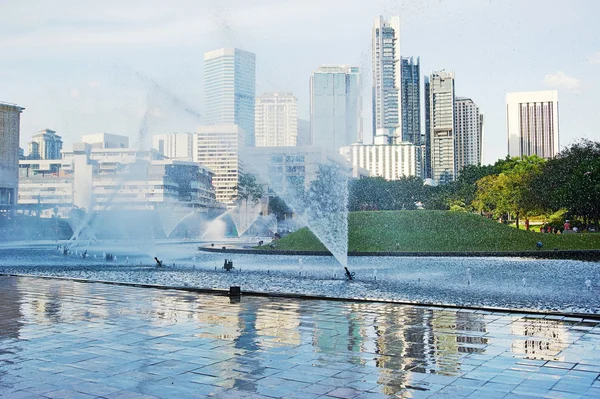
x=10 y=125
x=469 y=134
x=410 y=97
x=218 y=147
x=230 y=89
x=175 y=145
x=440 y=126
x=386 y=76
x=532 y=123
x=45 y=145
x=276 y=120
x=335 y=107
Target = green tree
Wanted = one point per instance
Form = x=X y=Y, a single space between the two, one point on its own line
x=278 y=207
x=248 y=189
x=571 y=180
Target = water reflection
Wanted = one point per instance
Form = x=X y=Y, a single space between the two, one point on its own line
x=386 y=345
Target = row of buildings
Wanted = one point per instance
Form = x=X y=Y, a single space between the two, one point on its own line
x=262 y=134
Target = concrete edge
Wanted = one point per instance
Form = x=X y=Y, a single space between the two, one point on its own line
x=275 y=295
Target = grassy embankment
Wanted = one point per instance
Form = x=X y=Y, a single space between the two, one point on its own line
x=436 y=231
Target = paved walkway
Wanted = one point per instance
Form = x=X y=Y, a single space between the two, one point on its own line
x=64 y=339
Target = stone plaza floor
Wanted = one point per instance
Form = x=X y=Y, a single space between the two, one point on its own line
x=67 y=339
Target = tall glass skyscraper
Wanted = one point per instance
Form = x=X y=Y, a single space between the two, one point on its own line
x=411 y=101
x=230 y=89
x=440 y=123
x=386 y=75
x=335 y=107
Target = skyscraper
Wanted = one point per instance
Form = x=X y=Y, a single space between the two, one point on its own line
x=439 y=121
x=218 y=148
x=469 y=133
x=10 y=125
x=276 y=120
x=230 y=89
x=335 y=107
x=45 y=145
x=532 y=123
x=386 y=75
x=411 y=101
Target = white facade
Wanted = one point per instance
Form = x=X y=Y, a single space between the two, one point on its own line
x=218 y=147
x=335 y=107
x=391 y=161
x=276 y=120
x=105 y=140
x=532 y=123
x=178 y=146
x=10 y=125
x=469 y=133
x=440 y=126
x=386 y=75
x=230 y=89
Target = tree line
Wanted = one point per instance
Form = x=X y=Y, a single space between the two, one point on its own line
x=515 y=187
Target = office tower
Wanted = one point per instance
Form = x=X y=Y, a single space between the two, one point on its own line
x=390 y=161
x=469 y=133
x=276 y=120
x=386 y=76
x=439 y=120
x=218 y=147
x=532 y=123
x=230 y=89
x=174 y=145
x=335 y=107
x=411 y=100
x=10 y=125
x=45 y=145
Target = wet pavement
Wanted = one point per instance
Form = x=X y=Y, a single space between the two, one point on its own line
x=66 y=339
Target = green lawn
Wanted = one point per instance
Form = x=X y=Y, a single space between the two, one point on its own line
x=424 y=231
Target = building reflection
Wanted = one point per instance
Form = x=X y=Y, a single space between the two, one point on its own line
x=543 y=339
x=11 y=298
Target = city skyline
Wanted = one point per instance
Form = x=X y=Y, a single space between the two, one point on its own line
x=81 y=78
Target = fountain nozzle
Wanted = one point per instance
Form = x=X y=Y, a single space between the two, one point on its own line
x=349 y=275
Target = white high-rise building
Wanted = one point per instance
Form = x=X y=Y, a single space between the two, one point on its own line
x=276 y=120
x=532 y=123
x=335 y=107
x=386 y=77
x=230 y=89
x=218 y=147
x=178 y=146
x=10 y=127
x=45 y=145
x=469 y=134
x=440 y=126
x=390 y=161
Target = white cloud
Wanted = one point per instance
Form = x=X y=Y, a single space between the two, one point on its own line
x=561 y=80
x=595 y=58
x=93 y=84
x=74 y=93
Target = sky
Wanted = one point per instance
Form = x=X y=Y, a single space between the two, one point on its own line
x=136 y=67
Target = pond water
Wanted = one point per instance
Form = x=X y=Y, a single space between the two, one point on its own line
x=516 y=283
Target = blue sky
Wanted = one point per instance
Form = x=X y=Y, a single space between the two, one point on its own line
x=83 y=68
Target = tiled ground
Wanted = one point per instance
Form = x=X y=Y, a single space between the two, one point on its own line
x=64 y=339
